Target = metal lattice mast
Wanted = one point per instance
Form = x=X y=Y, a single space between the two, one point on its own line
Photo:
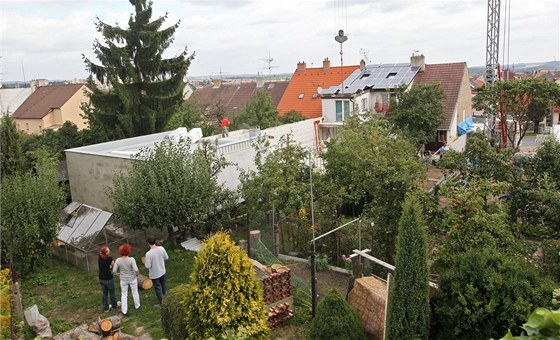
x=492 y=41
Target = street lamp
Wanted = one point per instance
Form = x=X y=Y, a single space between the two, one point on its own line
x=340 y=38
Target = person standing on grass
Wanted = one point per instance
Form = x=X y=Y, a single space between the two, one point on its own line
x=106 y=262
x=129 y=277
x=155 y=262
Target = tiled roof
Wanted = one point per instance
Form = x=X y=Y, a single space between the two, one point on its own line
x=450 y=77
x=306 y=82
x=234 y=96
x=45 y=98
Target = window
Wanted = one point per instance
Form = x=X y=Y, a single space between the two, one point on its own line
x=338 y=108
x=391 y=75
x=365 y=75
x=384 y=97
x=301 y=95
x=364 y=104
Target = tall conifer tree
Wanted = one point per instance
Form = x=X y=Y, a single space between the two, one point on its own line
x=145 y=89
x=409 y=307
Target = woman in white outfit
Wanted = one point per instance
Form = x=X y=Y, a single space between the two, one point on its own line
x=129 y=277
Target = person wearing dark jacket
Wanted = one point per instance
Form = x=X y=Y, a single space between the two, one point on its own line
x=105 y=262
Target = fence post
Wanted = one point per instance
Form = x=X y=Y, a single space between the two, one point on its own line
x=254 y=239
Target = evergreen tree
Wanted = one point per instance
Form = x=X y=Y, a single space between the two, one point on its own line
x=146 y=89
x=409 y=306
x=11 y=155
x=336 y=320
x=225 y=294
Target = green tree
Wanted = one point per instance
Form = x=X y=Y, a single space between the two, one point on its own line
x=189 y=116
x=418 y=112
x=336 y=320
x=146 y=89
x=259 y=112
x=524 y=100
x=292 y=116
x=484 y=293
x=31 y=204
x=409 y=305
x=225 y=294
x=173 y=187
x=11 y=155
x=373 y=171
x=475 y=219
x=480 y=160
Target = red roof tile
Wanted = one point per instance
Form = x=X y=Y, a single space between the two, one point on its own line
x=45 y=98
x=306 y=82
x=450 y=76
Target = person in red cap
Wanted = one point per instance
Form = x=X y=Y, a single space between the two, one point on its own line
x=225 y=125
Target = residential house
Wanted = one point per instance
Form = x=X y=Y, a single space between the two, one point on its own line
x=304 y=91
x=225 y=100
x=48 y=107
x=12 y=98
x=370 y=87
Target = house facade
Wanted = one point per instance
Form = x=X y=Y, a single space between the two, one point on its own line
x=369 y=89
x=48 y=107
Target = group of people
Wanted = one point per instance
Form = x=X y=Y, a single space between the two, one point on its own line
x=125 y=266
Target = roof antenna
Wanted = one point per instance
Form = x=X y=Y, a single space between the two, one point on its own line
x=364 y=52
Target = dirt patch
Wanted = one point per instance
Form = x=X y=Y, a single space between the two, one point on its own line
x=433 y=175
x=326 y=280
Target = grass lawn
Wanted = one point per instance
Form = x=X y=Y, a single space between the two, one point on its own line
x=68 y=296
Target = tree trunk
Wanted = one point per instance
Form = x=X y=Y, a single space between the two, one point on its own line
x=109 y=324
x=171 y=236
x=144 y=282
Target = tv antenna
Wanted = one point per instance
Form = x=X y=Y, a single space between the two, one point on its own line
x=221 y=73
x=269 y=61
x=364 y=53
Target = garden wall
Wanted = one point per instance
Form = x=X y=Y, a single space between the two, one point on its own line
x=368 y=298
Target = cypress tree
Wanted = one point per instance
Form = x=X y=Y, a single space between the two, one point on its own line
x=11 y=154
x=145 y=89
x=409 y=306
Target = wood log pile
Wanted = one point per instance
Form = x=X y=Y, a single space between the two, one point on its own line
x=278 y=315
x=277 y=286
x=108 y=329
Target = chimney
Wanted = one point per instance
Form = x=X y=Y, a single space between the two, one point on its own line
x=326 y=65
x=260 y=80
x=301 y=66
x=35 y=83
x=418 y=60
x=362 y=65
x=217 y=83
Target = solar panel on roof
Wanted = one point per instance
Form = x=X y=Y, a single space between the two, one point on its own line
x=377 y=77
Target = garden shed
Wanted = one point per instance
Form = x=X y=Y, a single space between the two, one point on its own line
x=84 y=230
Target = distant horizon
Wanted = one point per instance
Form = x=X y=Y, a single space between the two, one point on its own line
x=250 y=75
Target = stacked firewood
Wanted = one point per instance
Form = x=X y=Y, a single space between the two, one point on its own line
x=278 y=315
x=108 y=328
x=277 y=286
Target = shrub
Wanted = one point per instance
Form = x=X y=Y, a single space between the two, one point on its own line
x=335 y=319
x=173 y=313
x=225 y=293
x=5 y=304
x=483 y=293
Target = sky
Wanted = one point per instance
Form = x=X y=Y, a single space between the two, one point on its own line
x=45 y=39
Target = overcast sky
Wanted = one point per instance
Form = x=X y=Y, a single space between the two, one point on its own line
x=46 y=38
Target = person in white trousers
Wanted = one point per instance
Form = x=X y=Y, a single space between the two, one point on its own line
x=129 y=277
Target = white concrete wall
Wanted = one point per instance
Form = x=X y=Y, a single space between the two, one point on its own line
x=90 y=174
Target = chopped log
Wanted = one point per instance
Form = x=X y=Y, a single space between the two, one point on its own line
x=144 y=282
x=93 y=327
x=80 y=332
x=114 y=322
x=106 y=326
